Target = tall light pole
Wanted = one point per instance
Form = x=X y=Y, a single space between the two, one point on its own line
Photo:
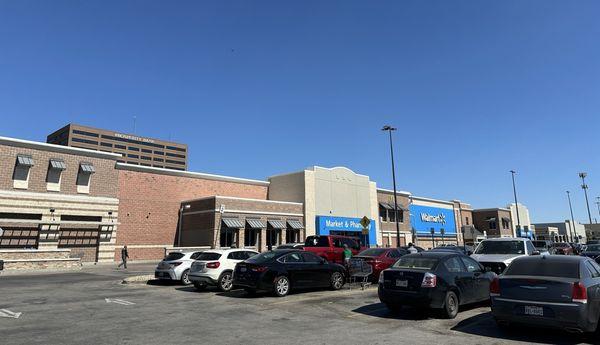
x=598 y=205
x=585 y=188
x=389 y=129
x=512 y=172
x=572 y=227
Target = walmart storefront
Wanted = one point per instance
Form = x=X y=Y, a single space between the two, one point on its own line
x=433 y=221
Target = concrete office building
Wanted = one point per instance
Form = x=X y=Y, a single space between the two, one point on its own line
x=523 y=219
x=133 y=149
x=592 y=231
x=565 y=231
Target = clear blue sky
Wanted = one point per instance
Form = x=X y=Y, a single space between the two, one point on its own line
x=258 y=88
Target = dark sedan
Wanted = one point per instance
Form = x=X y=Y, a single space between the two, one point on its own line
x=280 y=271
x=549 y=291
x=434 y=279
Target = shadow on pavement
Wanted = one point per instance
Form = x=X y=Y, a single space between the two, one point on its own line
x=406 y=313
x=485 y=326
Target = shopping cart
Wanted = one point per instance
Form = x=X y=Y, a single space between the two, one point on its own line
x=359 y=272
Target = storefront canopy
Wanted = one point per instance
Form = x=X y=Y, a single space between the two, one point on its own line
x=389 y=206
x=295 y=224
x=233 y=223
x=256 y=223
x=277 y=224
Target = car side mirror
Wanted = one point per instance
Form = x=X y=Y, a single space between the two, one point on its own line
x=535 y=252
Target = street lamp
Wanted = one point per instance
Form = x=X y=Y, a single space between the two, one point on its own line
x=598 y=204
x=572 y=227
x=516 y=203
x=585 y=188
x=389 y=129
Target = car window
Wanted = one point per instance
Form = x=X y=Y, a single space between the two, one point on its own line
x=208 y=256
x=338 y=243
x=195 y=255
x=292 y=258
x=311 y=258
x=470 y=264
x=543 y=268
x=317 y=241
x=352 y=243
x=454 y=265
x=594 y=272
x=249 y=254
x=235 y=256
x=173 y=256
x=394 y=253
x=530 y=247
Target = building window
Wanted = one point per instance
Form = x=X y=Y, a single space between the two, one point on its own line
x=133 y=148
x=176 y=148
x=21 y=172
x=146 y=151
x=89 y=134
x=175 y=155
x=120 y=146
x=159 y=160
x=146 y=158
x=383 y=213
x=86 y=141
x=175 y=162
x=466 y=220
x=55 y=169
x=492 y=225
x=106 y=144
x=159 y=153
x=84 y=176
x=133 y=156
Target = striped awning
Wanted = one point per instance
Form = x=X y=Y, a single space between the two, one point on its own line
x=25 y=160
x=233 y=223
x=386 y=205
x=277 y=224
x=255 y=223
x=295 y=224
x=87 y=168
x=58 y=164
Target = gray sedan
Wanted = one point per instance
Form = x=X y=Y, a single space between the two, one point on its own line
x=548 y=291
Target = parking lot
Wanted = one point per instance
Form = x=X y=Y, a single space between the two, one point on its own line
x=93 y=307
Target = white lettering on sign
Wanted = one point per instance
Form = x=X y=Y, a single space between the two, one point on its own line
x=133 y=137
x=346 y=224
x=440 y=218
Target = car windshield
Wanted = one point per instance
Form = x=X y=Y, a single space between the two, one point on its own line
x=416 y=262
x=372 y=252
x=539 y=244
x=317 y=241
x=173 y=256
x=208 y=256
x=544 y=268
x=593 y=248
x=501 y=247
x=262 y=257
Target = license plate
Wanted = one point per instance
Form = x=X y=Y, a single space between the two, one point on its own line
x=401 y=283
x=532 y=310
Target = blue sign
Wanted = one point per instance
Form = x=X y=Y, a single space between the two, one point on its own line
x=424 y=218
x=326 y=225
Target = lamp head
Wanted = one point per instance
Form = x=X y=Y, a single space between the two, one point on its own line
x=388 y=128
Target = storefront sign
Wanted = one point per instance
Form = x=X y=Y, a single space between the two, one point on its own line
x=425 y=218
x=133 y=137
x=326 y=225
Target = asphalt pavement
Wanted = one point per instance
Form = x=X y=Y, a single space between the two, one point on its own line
x=93 y=307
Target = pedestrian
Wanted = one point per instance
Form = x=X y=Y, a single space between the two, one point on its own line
x=411 y=248
x=124 y=257
x=347 y=254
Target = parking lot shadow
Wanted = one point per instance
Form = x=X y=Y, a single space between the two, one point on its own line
x=380 y=310
x=485 y=326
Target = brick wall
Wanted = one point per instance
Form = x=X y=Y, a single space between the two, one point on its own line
x=149 y=205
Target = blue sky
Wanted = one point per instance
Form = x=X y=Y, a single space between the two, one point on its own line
x=258 y=88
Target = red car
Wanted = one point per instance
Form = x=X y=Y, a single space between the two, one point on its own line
x=331 y=247
x=563 y=248
x=380 y=258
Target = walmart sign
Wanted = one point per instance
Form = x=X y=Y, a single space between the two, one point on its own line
x=423 y=218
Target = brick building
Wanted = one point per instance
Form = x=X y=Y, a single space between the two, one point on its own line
x=494 y=222
x=55 y=197
x=387 y=217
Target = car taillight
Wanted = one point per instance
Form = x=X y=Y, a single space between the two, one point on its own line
x=381 y=277
x=258 y=269
x=215 y=264
x=429 y=280
x=495 y=287
x=175 y=264
x=579 y=294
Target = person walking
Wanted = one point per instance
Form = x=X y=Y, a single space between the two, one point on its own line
x=411 y=248
x=124 y=257
x=347 y=254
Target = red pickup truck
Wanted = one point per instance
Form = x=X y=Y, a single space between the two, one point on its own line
x=331 y=247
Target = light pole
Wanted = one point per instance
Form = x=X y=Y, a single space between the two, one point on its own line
x=585 y=188
x=516 y=203
x=389 y=129
x=572 y=227
x=598 y=205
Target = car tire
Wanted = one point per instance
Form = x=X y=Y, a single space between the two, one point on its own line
x=225 y=282
x=336 y=280
x=185 y=278
x=451 y=303
x=281 y=286
x=199 y=286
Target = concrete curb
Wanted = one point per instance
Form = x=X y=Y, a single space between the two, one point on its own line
x=143 y=279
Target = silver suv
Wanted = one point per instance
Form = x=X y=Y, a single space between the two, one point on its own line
x=176 y=266
x=497 y=253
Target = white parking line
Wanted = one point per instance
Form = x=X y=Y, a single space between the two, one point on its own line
x=9 y=314
x=118 y=301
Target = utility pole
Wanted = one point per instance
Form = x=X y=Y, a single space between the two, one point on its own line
x=389 y=129
x=572 y=227
x=585 y=188
x=516 y=202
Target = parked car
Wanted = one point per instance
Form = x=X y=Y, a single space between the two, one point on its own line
x=544 y=247
x=498 y=253
x=380 y=258
x=291 y=246
x=562 y=248
x=592 y=251
x=593 y=242
x=577 y=248
x=280 y=271
x=550 y=291
x=176 y=266
x=215 y=267
x=434 y=279
x=467 y=250
x=331 y=247
x=419 y=249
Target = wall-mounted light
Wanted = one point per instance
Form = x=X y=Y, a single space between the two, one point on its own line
x=52 y=213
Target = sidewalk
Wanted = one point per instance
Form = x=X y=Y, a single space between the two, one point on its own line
x=103 y=269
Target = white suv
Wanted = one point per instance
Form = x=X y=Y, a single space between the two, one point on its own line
x=176 y=266
x=215 y=267
x=497 y=253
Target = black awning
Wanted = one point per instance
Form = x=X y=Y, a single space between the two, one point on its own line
x=386 y=205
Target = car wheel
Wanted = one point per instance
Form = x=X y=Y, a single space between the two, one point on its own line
x=451 y=305
x=199 y=286
x=337 y=280
x=185 y=278
x=282 y=286
x=225 y=281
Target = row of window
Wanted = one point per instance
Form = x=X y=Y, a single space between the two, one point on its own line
x=149 y=165
x=24 y=164
x=95 y=142
x=389 y=215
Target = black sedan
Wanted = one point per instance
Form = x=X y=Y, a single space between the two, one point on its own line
x=435 y=279
x=549 y=291
x=280 y=271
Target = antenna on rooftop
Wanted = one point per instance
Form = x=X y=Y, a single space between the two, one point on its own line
x=134 y=124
